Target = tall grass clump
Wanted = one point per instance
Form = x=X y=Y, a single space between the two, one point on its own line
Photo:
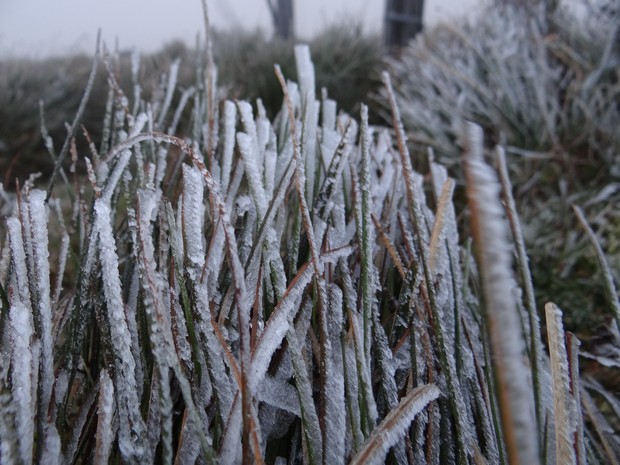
x=275 y=291
x=542 y=79
x=348 y=67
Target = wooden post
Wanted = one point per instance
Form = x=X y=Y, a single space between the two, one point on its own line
x=282 y=16
x=403 y=20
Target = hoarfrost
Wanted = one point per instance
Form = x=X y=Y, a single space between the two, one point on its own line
x=491 y=232
x=132 y=428
x=328 y=114
x=230 y=119
x=248 y=150
x=52 y=452
x=352 y=393
x=41 y=261
x=311 y=428
x=105 y=413
x=279 y=393
x=392 y=428
x=22 y=333
x=564 y=410
x=214 y=352
x=249 y=126
x=305 y=73
x=277 y=326
x=19 y=260
x=193 y=216
x=335 y=418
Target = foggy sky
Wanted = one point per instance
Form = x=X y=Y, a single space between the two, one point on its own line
x=38 y=28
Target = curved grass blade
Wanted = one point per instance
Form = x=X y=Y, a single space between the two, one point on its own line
x=394 y=425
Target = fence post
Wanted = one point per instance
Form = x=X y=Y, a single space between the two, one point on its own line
x=282 y=16
x=403 y=20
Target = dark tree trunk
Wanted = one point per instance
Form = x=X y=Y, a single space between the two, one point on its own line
x=403 y=20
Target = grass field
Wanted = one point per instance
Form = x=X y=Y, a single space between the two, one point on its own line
x=245 y=264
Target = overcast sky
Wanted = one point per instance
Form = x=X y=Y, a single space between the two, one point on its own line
x=38 y=28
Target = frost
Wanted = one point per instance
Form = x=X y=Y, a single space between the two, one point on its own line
x=105 y=412
x=309 y=418
x=115 y=176
x=132 y=428
x=22 y=361
x=271 y=160
x=228 y=146
x=335 y=420
x=328 y=114
x=250 y=160
x=305 y=73
x=308 y=145
x=214 y=353
x=18 y=259
x=280 y=394
x=170 y=87
x=491 y=235
x=42 y=274
x=51 y=454
x=249 y=126
x=563 y=403
x=392 y=428
x=193 y=216
x=277 y=326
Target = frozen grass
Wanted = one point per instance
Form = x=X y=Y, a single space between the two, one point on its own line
x=348 y=64
x=277 y=291
x=544 y=84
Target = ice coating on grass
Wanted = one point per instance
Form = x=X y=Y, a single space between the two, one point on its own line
x=335 y=412
x=277 y=326
x=170 y=87
x=250 y=161
x=263 y=130
x=310 y=421
x=271 y=160
x=363 y=369
x=329 y=143
x=42 y=275
x=246 y=115
x=228 y=145
x=160 y=333
x=117 y=172
x=308 y=145
x=305 y=73
x=214 y=352
x=351 y=397
x=193 y=216
x=279 y=393
x=366 y=235
x=52 y=449
x=18 y=259
x=22 y=333
x=179 y=330
x=565 y=426
x=328 y=114
x=392 y=428
x=105 y=412
x=132 y=428
x=508 y=347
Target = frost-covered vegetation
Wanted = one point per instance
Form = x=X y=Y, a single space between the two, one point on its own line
x=543 y=79
x=278 y=290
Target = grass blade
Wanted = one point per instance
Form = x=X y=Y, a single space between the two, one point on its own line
x=394 y=425
x=565 y=424
x=507 y=345
x=610 y=288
